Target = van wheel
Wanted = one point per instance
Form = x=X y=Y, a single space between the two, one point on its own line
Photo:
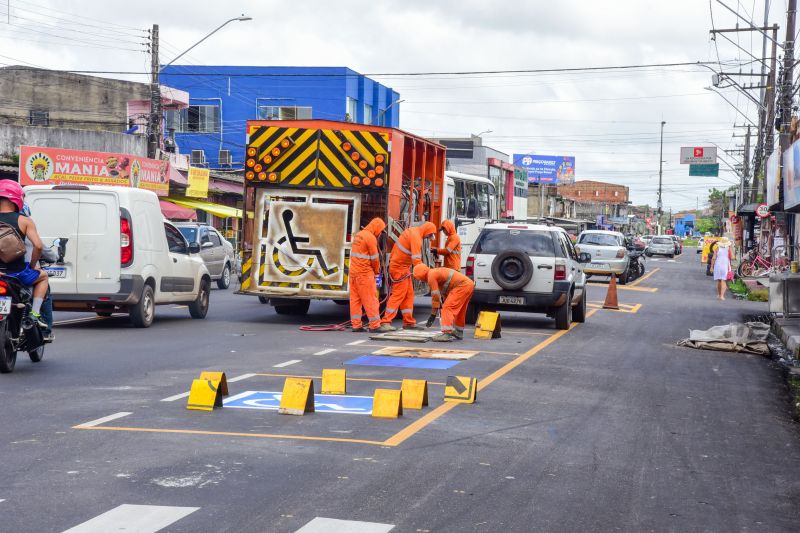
x=579 y=312
x=143 y=313
x=296 y=309
x=199 y=307
x=225 y=280
x=564 y=314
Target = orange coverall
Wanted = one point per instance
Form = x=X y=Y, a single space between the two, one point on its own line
x=407 y=251
x=452 y=287
x=452 y=247
x=364 y=266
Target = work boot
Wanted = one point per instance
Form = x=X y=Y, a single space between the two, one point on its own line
x=443 y=337
x=359 y=330
x=413 y=328
x=458 y=335
x=385 y=328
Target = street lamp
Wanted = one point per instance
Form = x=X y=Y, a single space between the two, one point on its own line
x=242 y=18
x=385 y=109
x=481 y=133
x=660 y=173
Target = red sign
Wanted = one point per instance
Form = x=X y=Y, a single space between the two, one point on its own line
x=698 y=152
x=762 y=210
x=734 y=219
x=56 y=166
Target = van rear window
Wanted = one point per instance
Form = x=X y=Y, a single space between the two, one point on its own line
x=531 y=242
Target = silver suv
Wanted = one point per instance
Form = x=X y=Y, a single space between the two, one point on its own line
x=217 y=253
x=530 y=268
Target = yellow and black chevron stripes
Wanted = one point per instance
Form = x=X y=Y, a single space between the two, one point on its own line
x=316 y=158
x=345 y=279
x=287 y=272
x=246 y=267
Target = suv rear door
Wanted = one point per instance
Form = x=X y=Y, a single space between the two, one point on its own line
x=538 y=245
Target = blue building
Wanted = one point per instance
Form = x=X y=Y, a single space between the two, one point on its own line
x=212 y=129
x=684 y=224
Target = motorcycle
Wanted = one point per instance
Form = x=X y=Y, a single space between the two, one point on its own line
x=19 y=332
x=636 y=265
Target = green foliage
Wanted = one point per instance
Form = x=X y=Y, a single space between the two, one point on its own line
x=758 y=295
x=707 y=225
x=687 y=243
x=738 y=287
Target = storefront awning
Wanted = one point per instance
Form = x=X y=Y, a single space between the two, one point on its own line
x=747 y=209
x=172 y=211
x=218 y=210
x=225 y=186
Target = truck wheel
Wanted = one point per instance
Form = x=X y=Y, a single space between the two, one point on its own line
x=143 y=313
x=564 y=314
x=297 y=308
x=263 y=299
x=579 y=312
x=225 y=280
x=199 y=307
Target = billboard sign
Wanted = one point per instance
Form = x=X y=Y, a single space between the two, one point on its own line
x=698 y=155
x=791 y=176
x=547 y=168
x=773 y=177
x=57 y=166
x=704 y=169
x=198 y=183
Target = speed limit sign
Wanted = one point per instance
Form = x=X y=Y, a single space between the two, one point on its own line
x=762 y=210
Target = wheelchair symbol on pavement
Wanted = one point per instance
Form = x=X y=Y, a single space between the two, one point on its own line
x=294 y=240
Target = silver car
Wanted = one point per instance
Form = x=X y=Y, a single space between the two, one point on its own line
x=608 y=251
x=661 y=245
x=217 y=253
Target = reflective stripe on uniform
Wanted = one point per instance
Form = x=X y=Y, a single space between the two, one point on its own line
x=355 y=317
x=373 y=318
x=406 y=311
x=403 y=248
x=447 y=283
x=416 y=257
x=390 y=310
x=449 y=250
x=436 y=292
x=363 y=256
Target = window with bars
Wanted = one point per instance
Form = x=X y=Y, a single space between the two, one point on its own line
x=195 y=118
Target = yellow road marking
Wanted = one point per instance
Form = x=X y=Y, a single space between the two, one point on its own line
x=348 y=379
x=626 y=288
x=623 y=308
x=415 y=427
x=638 y=281
x=229 y=434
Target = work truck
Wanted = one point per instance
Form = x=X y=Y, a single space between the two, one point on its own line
x=311 y=185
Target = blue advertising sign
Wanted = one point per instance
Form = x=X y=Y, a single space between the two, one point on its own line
x=323 y=403
x=547 y=168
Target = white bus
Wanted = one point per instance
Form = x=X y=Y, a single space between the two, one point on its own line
x=470 y=202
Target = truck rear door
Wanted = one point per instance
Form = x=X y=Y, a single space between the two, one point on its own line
x=98 y=246
x=56 y=217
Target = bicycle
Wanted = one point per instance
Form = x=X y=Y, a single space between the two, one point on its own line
x=760 y=266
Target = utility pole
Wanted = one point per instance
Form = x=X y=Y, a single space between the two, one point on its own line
x=154 y=121
x=659 y=205
x=745 y=165
x=759 y=186
x=788 y=78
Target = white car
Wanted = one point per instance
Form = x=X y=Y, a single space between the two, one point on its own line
x=121 y=254
x=529 y=268
x=701 y=242
x=608 y=251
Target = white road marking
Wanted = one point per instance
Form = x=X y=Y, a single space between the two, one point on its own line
x=670 y=260
x=176 y=397
x=240 y=378
x=356 y=343
x=79 y=320
x=180 y=307
x=134 y=518
x=286 y=363
x=325 y=351
x=103 y=420
x=1 y=501
x=237 y=396
x=326 y=525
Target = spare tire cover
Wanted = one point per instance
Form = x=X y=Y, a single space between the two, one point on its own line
x=512 y=269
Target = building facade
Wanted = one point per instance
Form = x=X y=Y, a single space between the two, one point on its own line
x=607 y=203
x=223 y=98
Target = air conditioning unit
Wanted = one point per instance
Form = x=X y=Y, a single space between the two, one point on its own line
x=225 y=159
x=198 y=158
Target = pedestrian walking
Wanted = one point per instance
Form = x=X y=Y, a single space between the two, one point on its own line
x=721 y=261
x=712 y=248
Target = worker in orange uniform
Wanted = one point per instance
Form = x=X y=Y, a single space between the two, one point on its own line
x=455 y=290
x=451 y=253
x=365 y=264
x=406 y=253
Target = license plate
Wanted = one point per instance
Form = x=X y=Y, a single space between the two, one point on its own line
x=56 y=272
x=513 y=300
x=5 y=305
x=597 y=266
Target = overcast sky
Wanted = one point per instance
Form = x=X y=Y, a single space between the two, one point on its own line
x=608 y=120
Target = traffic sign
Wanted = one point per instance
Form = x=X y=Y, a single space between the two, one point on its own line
x=704 y=169
x=323 y=403
x=734 y=219
x=762 y=210
x=698 y=155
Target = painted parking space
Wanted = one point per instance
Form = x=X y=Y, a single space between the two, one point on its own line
x=323 y=403
x=402 y=362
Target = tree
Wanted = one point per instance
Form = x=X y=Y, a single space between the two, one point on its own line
x=706 y=225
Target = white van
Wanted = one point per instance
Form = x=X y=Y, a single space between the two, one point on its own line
x=121 y=254
x=470 y=203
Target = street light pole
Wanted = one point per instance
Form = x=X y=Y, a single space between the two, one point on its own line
x=660 y=174
x=385 y=109
x=154 y=120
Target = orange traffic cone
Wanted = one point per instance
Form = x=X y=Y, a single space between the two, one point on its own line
x=611 y=295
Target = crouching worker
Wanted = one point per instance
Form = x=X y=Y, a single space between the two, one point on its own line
x=365 y=264
x=451 y=291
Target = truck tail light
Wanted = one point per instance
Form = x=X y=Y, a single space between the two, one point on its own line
x=125 y=242
x=561 y=272
x=471 y=266
x=620 y=253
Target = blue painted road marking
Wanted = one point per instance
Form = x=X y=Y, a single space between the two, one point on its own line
x=323 y=403
x=403 y=362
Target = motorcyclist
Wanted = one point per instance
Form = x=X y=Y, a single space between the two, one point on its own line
x=11 y=204
x=51 y=256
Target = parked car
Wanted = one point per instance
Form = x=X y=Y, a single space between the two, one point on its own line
x=528 y=267
x=217 y=253
x=608 y=252
x=701 y=242
x=634 y=242
x=678 y=244
x=121 y=255
x=661 y=245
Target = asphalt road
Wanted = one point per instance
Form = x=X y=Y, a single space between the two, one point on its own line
x=607 y=427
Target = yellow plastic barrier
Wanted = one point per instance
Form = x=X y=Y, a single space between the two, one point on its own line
x=387 y=403
x=204 y=395
x=461 y=389
x=298 y=397
x=334 y=381
x=415 y=393
x=217 y=376
x=488 y=325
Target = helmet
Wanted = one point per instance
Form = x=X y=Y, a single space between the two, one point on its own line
x=12 y=191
